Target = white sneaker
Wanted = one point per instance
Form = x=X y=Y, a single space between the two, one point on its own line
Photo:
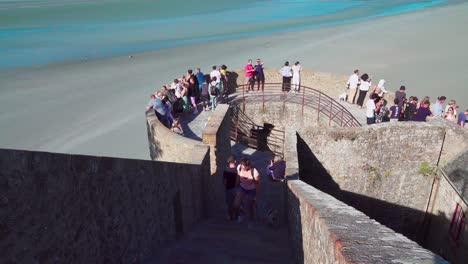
x=240 y=219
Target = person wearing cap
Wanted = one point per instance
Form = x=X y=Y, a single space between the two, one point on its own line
x=401 y=96
x=438 y=109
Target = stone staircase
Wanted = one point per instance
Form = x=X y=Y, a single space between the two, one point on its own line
x=216 y=240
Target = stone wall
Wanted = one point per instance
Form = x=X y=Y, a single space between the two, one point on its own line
x=385 y=171
x=216 y=134
x=60 y=208
x=290 y=116
x=165 y=145
x=441 y=233
x=325 y=230
x=329 y=83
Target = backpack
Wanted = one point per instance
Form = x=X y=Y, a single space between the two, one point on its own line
x=214 y=90
x=170 y=94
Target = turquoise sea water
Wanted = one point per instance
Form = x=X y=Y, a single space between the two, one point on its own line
x=36 y=32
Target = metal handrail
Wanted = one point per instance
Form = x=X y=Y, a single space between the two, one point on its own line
x=243 y=126
x=307 y=97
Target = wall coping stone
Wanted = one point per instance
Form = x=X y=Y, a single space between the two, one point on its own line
x=357 y=238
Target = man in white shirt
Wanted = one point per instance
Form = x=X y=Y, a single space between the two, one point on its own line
x=353 y=83
x=215 y=73
x=371 y=108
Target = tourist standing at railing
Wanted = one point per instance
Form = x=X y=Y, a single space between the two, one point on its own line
x=352 y=85
x=423 y=112
x=159 y=108
x=249 y=180
x=214 y=91
x=205 y=95
x=401 y=96
x=286 y=73
x=382 y=112
x=450 y=115
x=395 y=110
x=438 y=108
x=192 y=93
x=296 y=77
x=184 y=97
x=167 y=104
x=381 y=88
x=259 y=75
x=462 y=118
x=215 y=73
x=363 y=89
x=191 y=75
x=371 y=108
x=224 y=78
x=249 y=75
x=200 y=78
x=451 y=103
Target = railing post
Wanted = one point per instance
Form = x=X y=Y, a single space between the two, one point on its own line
x=303 y=99
x=284 y=100
x=237 y=125
x=243 y=98
x=263 y=99
x=341 y=119
x=318 y=107
x=331 y=112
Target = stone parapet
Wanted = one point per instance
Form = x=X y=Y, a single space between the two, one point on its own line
x=165 y=145
x=325 y=230
x=60 y=208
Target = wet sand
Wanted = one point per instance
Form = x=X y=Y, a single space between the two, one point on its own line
x=96 y=107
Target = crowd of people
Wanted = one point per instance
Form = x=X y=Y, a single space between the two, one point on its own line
x=403 y=108
x=254 y=74
x=191 y=93
x=242 y=181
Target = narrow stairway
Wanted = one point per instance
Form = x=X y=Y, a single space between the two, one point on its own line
x=221 y=241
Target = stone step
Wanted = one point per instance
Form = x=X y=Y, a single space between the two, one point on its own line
x=221 y=241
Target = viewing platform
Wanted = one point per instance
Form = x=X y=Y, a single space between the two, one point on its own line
x=347 y=196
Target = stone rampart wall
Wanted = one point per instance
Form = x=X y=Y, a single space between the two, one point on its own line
x=216 y=134
x=60 y=208
x=441 y=234
x=325 y=230
x=165 y=145
x=291 y=116
x=385 y=171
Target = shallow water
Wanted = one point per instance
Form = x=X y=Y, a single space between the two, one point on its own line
x=35 y=32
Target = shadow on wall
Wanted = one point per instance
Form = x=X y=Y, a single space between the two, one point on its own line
x=295 y=224
x=154 y=146
x=232 y=82
x=410 y=222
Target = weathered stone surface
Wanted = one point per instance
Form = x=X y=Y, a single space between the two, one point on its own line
x=325 y=230
x=383 y=170
x=216 y=134
x=165 y=145
x=59 y=208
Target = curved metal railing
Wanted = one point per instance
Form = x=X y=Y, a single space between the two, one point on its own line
x=247 y=132
x=306 y=97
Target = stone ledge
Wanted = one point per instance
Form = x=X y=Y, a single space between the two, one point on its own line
x=165 y=145
x=333 y=232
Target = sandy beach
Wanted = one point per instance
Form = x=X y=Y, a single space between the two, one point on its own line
x=96 y=107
